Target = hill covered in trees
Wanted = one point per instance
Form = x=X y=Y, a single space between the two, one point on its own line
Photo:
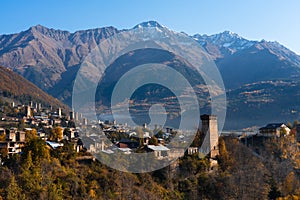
x=14 y=87
x=268 y=169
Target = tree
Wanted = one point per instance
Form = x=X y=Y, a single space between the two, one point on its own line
x=56 y=134
x=31 y=177
x=296 y=122
x=153 y=141
x=13 y=190
x=55 y=192
x=38 y=150
x=30 y=134
x=289 y=124
x=224 y=159
x=3 y=153
x=289 y=183
x=274 y=192
x=2 y=137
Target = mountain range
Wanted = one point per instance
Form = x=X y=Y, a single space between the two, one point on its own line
x=261 y=77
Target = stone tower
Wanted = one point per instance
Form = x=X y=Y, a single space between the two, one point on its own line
x=210 y=129
x=72 y=115
x=59 y=112
x=28 y=112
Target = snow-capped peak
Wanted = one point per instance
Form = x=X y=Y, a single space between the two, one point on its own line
x=230 y=34
x=226 y=39
x=149 y=24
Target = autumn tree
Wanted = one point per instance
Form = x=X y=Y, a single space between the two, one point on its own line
x=13 y=190
x=30 y=134
x=224 y=159
x=55 y=191
x=31 y=177
x=38 y=150
x=56 y=134
x=290 y=183
x=153 y=141
x=3 y=153
x=2 y=137
x=296 y=122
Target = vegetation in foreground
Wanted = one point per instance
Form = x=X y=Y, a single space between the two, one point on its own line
x=268 y=169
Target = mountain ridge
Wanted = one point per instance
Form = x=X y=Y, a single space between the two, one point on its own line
x=51 y=57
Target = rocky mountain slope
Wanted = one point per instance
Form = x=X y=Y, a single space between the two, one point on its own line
x=43 y=55
x=51 y=58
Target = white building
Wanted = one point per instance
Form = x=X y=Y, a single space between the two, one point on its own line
x=274 y=129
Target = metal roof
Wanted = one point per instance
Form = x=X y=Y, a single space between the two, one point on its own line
x=54 y=145
x=272 y=126
x=158 y=148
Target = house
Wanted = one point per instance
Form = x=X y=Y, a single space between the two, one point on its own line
x=70 y=133
x=15 y=141
x=20 y=136
x=175 y=153
x=12 y=147
x=192 y=150
x=42 y=135
x=161 y=141
x=13 y=130
x=146 y=137
x=125 y=150
x=274 y=129
x=160 y=151
x=126 y=143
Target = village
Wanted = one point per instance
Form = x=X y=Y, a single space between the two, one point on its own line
x=33 y=120
x=74 y=142
x=54 y=126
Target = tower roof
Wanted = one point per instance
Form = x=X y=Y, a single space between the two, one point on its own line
x=208 y=117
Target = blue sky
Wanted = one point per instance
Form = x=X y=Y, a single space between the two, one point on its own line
x=253 y=19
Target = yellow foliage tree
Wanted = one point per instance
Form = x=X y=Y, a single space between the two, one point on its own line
x=30 y=134
x=13 y=190
x=2 y=137
x=56 y=134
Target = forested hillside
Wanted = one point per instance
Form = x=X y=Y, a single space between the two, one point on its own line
x=268 y=169
x=14 y=87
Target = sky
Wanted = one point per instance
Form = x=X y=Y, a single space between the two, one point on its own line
x=272 y=20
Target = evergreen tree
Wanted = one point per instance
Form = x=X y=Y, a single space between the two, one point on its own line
x=55 y=192
x=14 y=191
x=31 y=177
x=224 y=159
